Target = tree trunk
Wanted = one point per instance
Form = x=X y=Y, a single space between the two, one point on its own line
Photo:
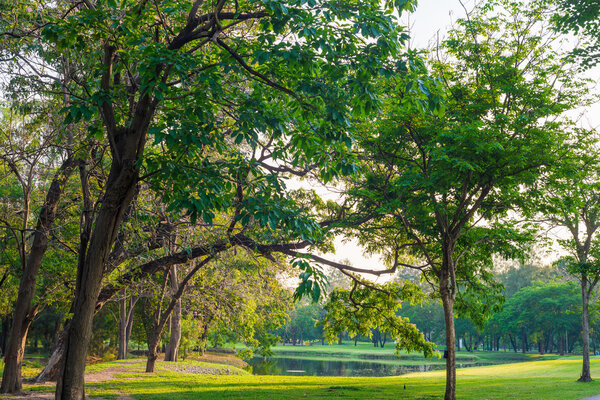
x=119 y=191
x=448 y=303
x=175 y=333
x=52 y=368
x=126 y=309
x=122 y=351
x=383 y=340
x=153 y=341
x=4 y=336
x=12 y=381
x=512 y=342
x=23 y=313
x=586 y=375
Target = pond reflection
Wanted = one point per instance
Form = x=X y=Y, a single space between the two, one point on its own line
x=292 y=366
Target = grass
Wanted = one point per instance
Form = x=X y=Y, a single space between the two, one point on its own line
x=29 y=369
x=548 y=379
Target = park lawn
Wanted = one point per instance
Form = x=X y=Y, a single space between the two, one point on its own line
x=538 y=380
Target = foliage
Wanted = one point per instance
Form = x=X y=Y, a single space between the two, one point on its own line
x=359 y=310
x=542 y=310
x=581 y=18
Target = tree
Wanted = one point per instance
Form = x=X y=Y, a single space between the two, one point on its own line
x=436 y=168
x=570 y=198
x=542 y=312
x=27 y=140
x=221 y=63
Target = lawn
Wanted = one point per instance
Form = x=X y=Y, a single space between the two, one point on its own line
x=545 y=379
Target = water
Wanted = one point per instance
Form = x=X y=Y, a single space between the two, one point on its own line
x=292 y=366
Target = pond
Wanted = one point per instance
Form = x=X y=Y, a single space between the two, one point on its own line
x=305 y=367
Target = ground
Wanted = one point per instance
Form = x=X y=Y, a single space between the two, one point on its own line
x=546 y=379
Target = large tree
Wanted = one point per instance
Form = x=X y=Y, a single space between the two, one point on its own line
x=441 y=175
x=205 y=95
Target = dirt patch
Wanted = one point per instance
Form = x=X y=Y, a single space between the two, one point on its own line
x=109 y=374
x=220 y=358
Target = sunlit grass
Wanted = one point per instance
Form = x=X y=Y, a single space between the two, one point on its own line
x=538 y=380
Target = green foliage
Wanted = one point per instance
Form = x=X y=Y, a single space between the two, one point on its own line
x=540 y=309
x=361 y=309
x=580 y=17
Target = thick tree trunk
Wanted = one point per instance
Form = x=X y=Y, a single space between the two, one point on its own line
x=23 y=314
x=448 y=303
x=153 y=341
x=119 y=192
x=586 y=375
x=4 y=336
x=175 y=332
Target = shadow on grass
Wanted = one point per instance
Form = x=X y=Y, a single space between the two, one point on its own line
x=262 y=389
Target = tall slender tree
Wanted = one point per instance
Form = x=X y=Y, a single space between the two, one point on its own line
x=570 y=198
x=440 y=175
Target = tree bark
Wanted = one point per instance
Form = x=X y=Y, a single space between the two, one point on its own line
x=23 y=313
x=586 y=375
x=122 y=351
x=119 y=191
x=175 y=332
x=4 y=335
x=153 y=349
x=448 y=303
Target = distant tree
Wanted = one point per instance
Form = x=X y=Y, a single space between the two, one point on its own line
x=302 y=324
x=570 y=200
x=549 y=313
x=516 y=277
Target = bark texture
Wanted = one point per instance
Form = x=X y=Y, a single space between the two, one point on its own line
x=175 y=331
x=119 y=192
x=586 y=375
x=448 y=303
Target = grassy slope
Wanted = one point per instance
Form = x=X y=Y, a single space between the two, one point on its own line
x=547 y=380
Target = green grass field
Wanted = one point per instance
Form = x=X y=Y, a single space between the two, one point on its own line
x=543 y=380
